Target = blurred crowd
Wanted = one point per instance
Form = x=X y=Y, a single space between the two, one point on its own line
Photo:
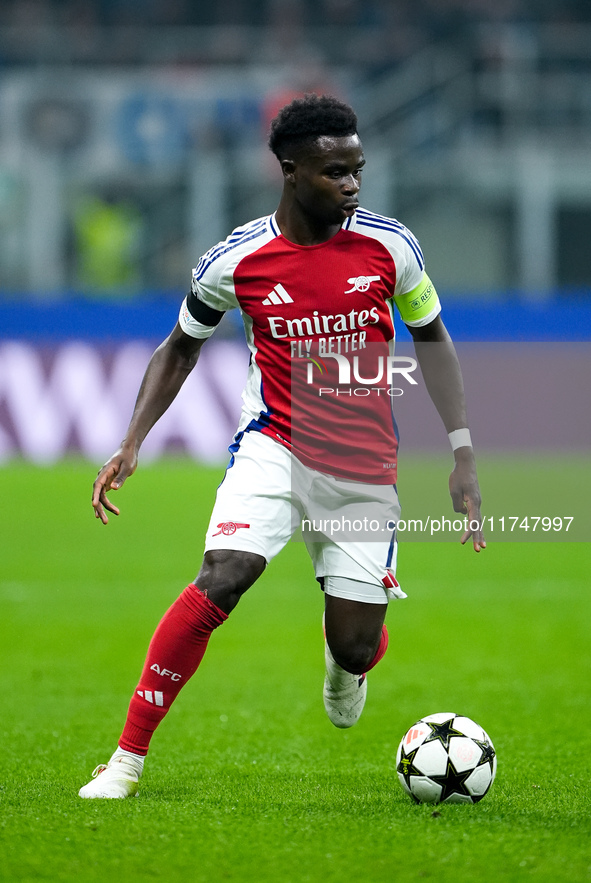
x=436 y=17
x=112 y=152
x=406 y=25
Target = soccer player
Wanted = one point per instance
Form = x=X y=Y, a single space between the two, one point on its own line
x=316 y=283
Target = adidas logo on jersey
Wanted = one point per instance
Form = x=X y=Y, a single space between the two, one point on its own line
x=278 y=296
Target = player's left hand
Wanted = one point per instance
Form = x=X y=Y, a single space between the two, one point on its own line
x=465 y=495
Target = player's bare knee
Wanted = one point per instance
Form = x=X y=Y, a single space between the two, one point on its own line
x=226 y=574
x=355 y=658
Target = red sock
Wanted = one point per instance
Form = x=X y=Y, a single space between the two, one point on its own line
x=382 y=647
x=174 y=654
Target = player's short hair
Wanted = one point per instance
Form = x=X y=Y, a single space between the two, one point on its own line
x=301 y=122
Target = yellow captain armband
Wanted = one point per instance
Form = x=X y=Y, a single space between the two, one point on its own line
x=419 y=306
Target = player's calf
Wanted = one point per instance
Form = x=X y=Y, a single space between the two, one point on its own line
x=356 y=641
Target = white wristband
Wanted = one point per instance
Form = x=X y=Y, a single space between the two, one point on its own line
x=460 y=438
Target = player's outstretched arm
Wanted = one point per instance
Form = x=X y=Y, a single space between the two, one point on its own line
x=441 y=370
x=167 y=370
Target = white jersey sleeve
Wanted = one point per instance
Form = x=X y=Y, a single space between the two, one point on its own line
x=212 y=282
x=414 y=294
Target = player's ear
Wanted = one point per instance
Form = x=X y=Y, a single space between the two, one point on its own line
x=288 y=169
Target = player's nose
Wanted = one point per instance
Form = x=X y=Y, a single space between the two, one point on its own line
x=351 y=185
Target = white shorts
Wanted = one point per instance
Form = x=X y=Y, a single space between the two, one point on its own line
x=348 y=526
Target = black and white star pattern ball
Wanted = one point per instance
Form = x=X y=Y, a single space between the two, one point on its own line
x=446 y=758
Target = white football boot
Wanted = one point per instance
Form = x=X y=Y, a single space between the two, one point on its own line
x=344 y=693
x=117 y=779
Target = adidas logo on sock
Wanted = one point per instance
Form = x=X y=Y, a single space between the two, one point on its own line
x=156 y=698
x=278 y=296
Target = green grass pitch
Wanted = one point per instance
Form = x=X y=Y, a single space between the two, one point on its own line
x=247 y=779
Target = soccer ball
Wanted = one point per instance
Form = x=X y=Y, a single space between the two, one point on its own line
x=446 y=758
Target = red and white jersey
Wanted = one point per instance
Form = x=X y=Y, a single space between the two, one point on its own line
x=316 y=319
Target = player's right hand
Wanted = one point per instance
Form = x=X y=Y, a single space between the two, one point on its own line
x=112 y=475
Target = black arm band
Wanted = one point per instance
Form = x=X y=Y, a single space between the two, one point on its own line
x=201 y=312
